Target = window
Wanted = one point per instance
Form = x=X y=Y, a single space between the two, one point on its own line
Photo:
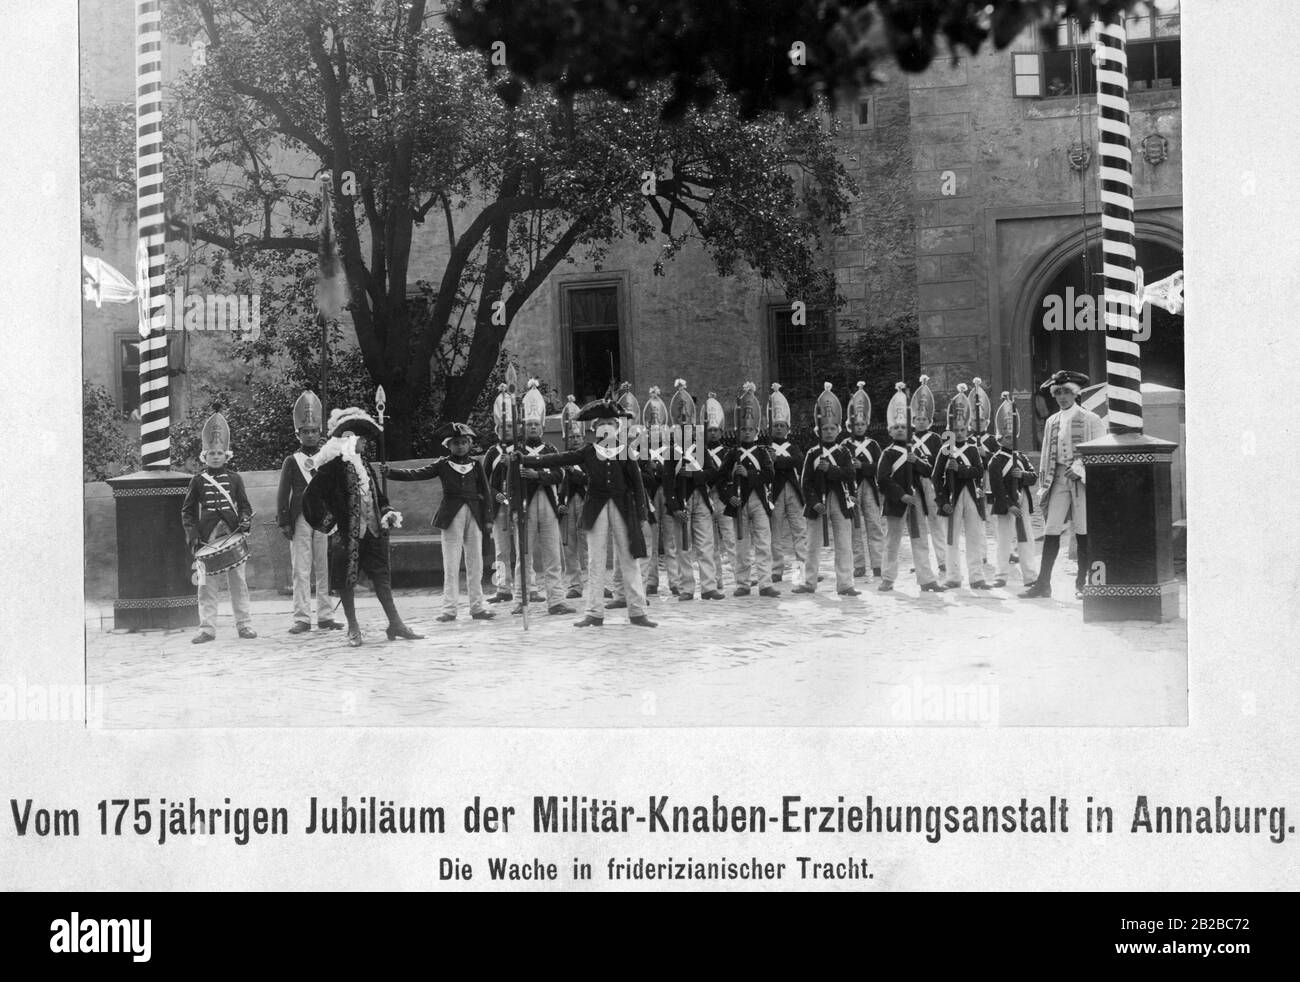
x=591 y=314
x=1154 y=57
x=128 y=369
x=799 y=351
x=865 y=113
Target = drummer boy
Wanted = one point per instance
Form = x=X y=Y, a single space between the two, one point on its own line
x=216 y=507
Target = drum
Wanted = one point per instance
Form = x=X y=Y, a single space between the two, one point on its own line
x=221 y=556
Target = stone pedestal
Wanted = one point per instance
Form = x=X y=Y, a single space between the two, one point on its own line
x=154 y=589
x=1130 y=529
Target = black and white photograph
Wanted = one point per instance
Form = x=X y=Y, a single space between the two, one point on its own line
x=577 y=364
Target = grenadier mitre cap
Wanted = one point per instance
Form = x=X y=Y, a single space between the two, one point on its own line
x=748 y=412
x=569 y=420
x=534 y=404
x=860 y=406
x=654 y=412
x=827 y=407
x=216 y=433
x=711 y=412
x=923 y=402
x=307 y=412
x=1006 y=421
x=778 y=407
x=628 y=402
x=1064 y=379
x=896 y=411
x=959 y=408
x=503 y=410
x=681 y=409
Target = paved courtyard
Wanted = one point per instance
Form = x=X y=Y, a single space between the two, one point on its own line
x=962 y=658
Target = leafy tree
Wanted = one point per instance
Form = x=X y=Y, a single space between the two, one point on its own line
x=106 y=449
x=375 y=90
x=744 y=48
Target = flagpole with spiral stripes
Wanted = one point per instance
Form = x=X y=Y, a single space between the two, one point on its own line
x=155 y=410
x=1119 y=258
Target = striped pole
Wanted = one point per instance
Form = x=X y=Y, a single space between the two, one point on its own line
x=155 y=412
x=1119 y=260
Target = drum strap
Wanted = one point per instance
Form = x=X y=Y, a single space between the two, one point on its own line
x=224 y=493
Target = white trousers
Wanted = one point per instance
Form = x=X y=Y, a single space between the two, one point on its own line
x=1028 y=550
x=503 y=546
x=574 y=543
x=308 y=554
x=543 y=527
x=462 y=536
x=968 y=525
x=1066 y=502
x=699 y=532
x=754 y=551
x=936 y=523
x=841 y=529
x=610 y=527
x=869 y=537
x=788 y=521
x=896 y=527
x=724 y=538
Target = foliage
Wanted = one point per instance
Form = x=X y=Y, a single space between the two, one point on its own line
x=705 y=48
x=107 y=159
x=376 y=88
x=107 y=450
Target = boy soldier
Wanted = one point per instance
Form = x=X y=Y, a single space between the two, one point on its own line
x=897 y=475
x=925 y=444
x=462 y=516
x=216 y=507
x=1010 y=478
x=345 y=496
x=654 y=417
x=713 y=418
x=691 y=474
x=957 y=475
x=541 y=507
x=573 y=492
x=496 y=463
x=1063 y=497
x=308 y=549
x=865 y=453
x=787 y=495
x=826 y=479
x=638 y=450
x=981 y=434
x=749 y=475
x=614 y=509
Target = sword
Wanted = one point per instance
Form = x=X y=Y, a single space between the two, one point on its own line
x=381 y=402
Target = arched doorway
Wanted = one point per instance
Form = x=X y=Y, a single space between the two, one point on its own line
x=1067 y=329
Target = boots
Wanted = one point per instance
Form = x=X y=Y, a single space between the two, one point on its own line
x=1081 y=549
x=1043 y=585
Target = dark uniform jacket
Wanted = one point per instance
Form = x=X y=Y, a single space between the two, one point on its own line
x=614 y=481
x=684 y=478
x=205 y=507
x=288 y=500
x=965 y=474
x=837 y=479
x=494 y=464
x=896 y=476
x=464 y=482
x=757 y=461
x=1006 y=491
x=865 y=453
x=549 y=482
x=786 y=459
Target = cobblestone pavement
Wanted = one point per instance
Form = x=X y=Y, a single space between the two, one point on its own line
x=962 y=658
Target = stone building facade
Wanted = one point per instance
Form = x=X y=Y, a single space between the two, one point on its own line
x=977 y=203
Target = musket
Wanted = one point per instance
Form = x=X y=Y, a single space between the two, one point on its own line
x=516 y=495
x=381 y=402
x=739 y=518
x=913 y=528
x=1021 y=534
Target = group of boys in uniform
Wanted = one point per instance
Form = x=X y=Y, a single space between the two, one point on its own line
x=658 y=479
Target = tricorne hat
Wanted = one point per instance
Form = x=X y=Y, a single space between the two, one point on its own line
x=1074 y=381
x=749 y=415
x=778 y=407
x=450 y=431
x=827 y=408
x=896 y=411
x=215 y=434
x=860 y=406
x=602 y=409
x=923 y=402
x=534 y=404
x=352 y=419
x=307 y=411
